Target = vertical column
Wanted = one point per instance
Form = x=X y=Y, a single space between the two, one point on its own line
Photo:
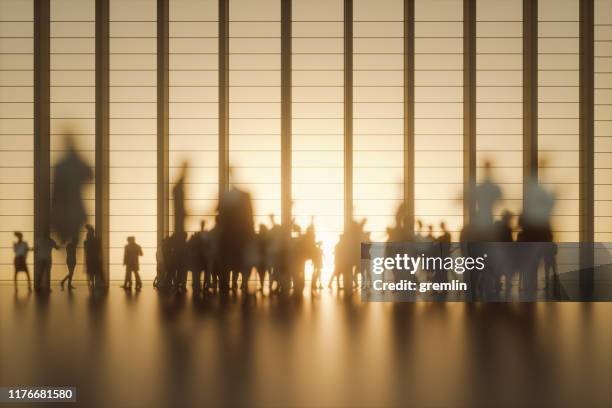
x=469 y=106
x=162 y=120
x=348 y=112
x=286 y=115
x=42 y=156
x=409 y=115
x=587 y=146
x=223 y=96
x=102 y=129
x=530 y=92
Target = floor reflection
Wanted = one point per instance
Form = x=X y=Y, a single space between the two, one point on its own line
x=151 y=349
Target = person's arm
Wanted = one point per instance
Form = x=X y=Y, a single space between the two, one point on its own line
x=124 y=256
x=140 y=251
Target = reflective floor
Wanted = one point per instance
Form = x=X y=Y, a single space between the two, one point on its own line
x=150 y=350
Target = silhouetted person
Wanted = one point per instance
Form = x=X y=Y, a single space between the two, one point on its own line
x=444 y=242
x=180 y=259
x=131 y=255
x=67 y=208
x=317 y=266
x=71 y=260
x=274 y=254
x=44 y=261
x=21 y=249
x=263 y=266
x=236 y=236
x=536 y=227
x=507 y=265
x=166 y=269
x=178 y=196
x=485 y=195
x=198 y=257
x=340 y=263
x=92 y=247
x=503 y=229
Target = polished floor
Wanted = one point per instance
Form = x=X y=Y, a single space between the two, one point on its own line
x=154 y=350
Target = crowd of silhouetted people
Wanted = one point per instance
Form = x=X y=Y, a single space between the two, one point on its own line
x=223 y=257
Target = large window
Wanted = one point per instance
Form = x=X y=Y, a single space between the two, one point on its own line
x=499 y=98
x=254 y=105
x=133 y=130
x=318 y=119
x=194 y=112
x=73 y=94
x=16 y=128
x=439 y=113
x=558 y=92
x=603 y=120
x=378 y=112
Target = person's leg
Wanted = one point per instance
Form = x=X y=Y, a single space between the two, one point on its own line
x=29 y=281
x=196 y=273
x=127 y=281
x=71 y=269
x=234 y=280
x=138 y=281
x=15 y=279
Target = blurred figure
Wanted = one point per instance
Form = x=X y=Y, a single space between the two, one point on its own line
x=340 y=263
x=21 y=249
x=92 y=247
x=165 y=265
x=180 y=258
x=236 y=237
x=485 y=196
x=536 y=227
x=67 y=208
x=505 y=267
x=503 y=227
x=275 y=252
x=178 y=196
x=317 y=267
x=263 y=264
x=131 y=255
x=419 y=236
x=44 y=260
x=71 y=250
x=444 y=243
x=198 y=258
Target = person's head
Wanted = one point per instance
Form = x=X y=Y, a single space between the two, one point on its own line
x=443 y=226
x=19 y=236
x=202 y=225
x=430 y=229
x=507 y=217
x=487 y=169
x=419 y=225
x=131 y=239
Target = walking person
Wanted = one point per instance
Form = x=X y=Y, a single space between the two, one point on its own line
x=131 y=256
x=43 y=255
x=21 y=249
x=71 y=261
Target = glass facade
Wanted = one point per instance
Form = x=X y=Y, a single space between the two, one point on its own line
x=317 y=106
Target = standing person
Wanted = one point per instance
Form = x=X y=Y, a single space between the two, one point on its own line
x=131 y=255
x=43 y=253
x=71 y=249
x=21 y=249
x=93 y=258
x=444 y=241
